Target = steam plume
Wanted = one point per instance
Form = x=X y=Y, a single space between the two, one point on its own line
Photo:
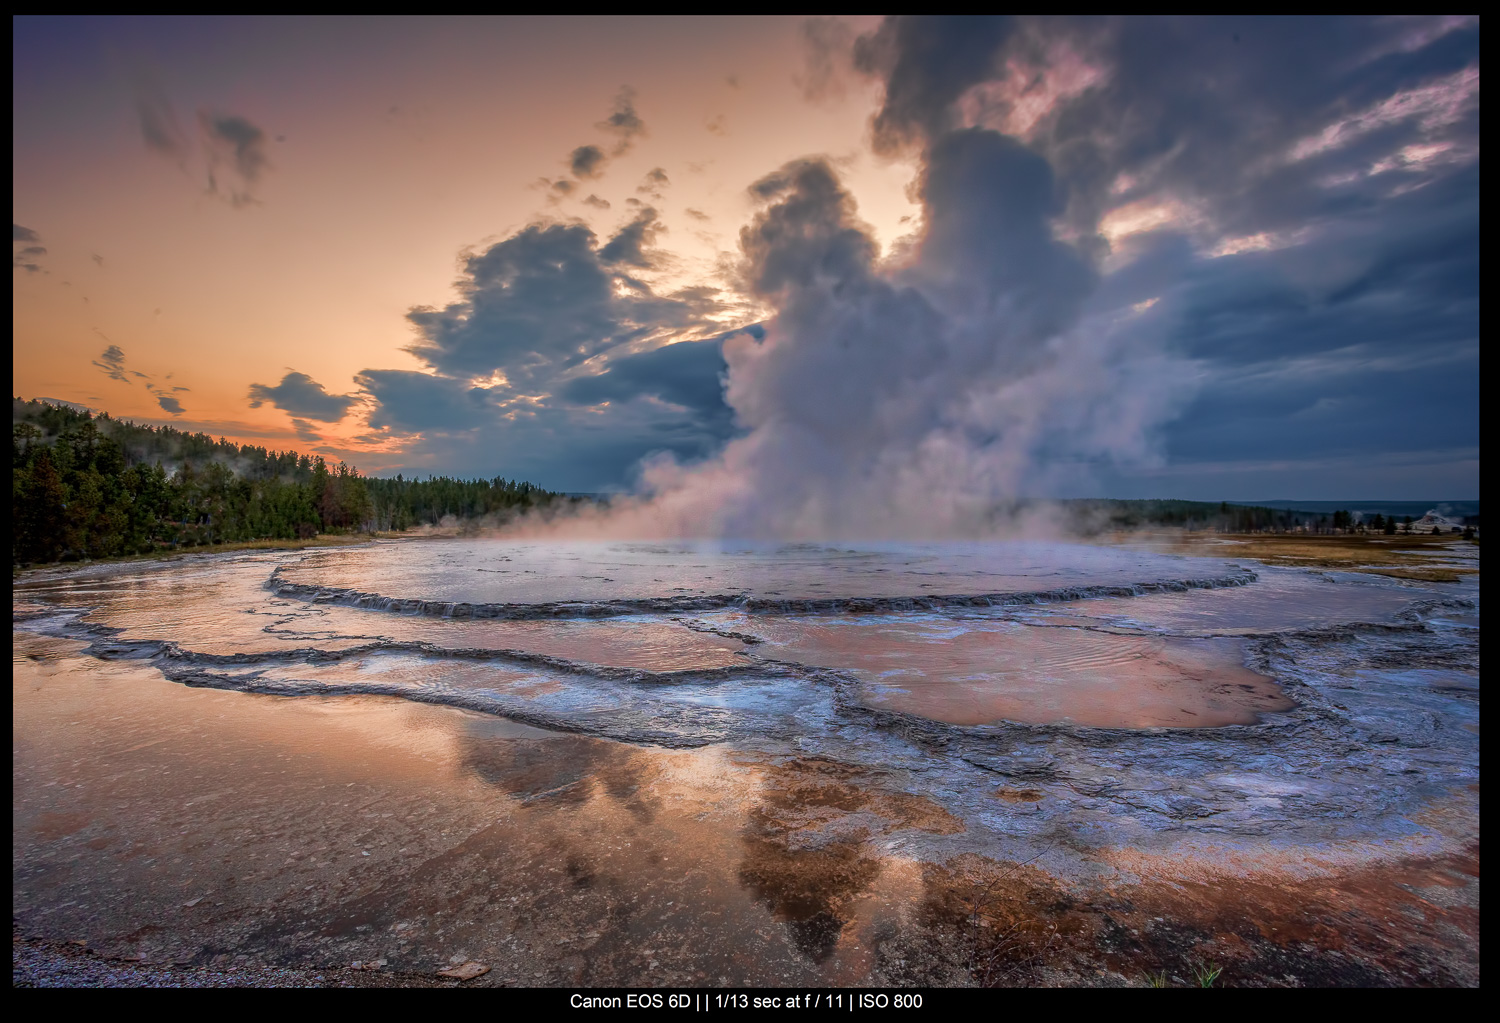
x=917 y=400
x=921 y=398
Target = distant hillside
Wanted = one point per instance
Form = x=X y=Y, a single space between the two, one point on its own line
x=91 y=486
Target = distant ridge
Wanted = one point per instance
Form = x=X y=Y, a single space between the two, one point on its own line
x=1400 y=509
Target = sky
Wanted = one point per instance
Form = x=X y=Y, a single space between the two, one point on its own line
x=788 y=271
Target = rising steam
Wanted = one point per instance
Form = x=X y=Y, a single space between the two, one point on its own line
x=919 y=397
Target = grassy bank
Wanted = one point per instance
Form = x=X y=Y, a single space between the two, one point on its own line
x=1432 y=559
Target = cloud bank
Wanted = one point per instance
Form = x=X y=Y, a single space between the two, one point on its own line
x=1151 y=254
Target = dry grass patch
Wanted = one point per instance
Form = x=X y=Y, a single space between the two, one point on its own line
x=1426 y=575
x=1399 y=557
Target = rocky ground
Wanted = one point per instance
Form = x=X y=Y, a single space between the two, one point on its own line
x=43 y=962
x=170 y=834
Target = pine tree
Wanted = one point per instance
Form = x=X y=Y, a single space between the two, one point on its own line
x=37 y=510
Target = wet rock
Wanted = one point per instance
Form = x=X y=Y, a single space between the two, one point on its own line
x=1384 y=725
x=465 y=971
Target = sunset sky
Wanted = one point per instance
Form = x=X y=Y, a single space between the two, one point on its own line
x=517 y=247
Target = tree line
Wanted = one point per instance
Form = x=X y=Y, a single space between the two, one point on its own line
x=90 y=486
x=1224 y=517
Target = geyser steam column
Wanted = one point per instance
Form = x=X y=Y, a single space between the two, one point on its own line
x=916 y=398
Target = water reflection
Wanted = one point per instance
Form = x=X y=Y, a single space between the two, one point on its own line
x=805 y=845
x=808 y=889
x=976 y=671
x=563 y=770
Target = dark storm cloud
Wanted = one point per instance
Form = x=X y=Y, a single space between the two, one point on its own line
x=565 y=447
x=623 y=122
x=533 y=308
x=169 y=403
x=530 y=298
x=1161 y=120
x=1316 y=186
x=1356 y=408
x=1359 y=342
x=112 y=362
x=587 y=162
x=630 y=244
x=1254 y=117
x=1406 y=278
x=544 y=299
x=1356 y=343
x=303 y=396
x=408 y=402
x=688 y=374
x=927 y=63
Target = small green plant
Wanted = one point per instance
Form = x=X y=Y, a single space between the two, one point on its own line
x=1206 y=974
x=1158 y=979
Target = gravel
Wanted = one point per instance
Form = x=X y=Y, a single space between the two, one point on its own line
x=44 y=962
